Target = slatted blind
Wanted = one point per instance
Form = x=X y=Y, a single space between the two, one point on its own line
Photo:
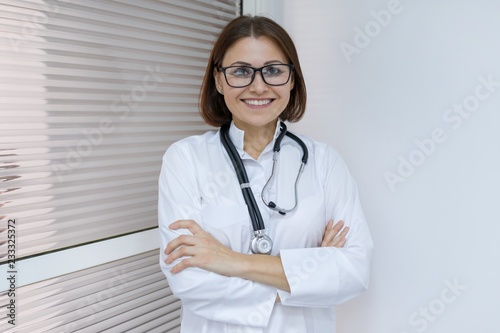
x=128 y=295
x=92 y=93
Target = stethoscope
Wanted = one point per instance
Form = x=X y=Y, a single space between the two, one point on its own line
x=261 y=243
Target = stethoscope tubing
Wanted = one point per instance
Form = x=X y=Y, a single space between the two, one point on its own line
x=253 y=209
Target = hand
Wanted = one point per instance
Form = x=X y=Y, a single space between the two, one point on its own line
x=332 y=237
x=198 y=250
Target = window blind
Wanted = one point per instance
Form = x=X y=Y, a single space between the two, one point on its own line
x=92 y=93
x=128 y=295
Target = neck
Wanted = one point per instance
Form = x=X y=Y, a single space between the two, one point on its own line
x=257 y=138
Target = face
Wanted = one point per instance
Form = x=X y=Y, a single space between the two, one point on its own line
x=259 y=104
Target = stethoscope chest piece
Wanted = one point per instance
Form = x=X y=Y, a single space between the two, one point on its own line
x=261 y=243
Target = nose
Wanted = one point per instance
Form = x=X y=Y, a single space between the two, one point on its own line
x=258 y=85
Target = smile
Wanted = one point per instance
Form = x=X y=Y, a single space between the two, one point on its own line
x=258 y=102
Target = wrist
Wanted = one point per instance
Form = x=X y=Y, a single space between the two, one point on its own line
x=240 y=265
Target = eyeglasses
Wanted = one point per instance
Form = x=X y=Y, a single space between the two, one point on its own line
x=242 y=76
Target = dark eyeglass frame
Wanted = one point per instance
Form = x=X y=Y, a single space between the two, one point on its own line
x=255 y=70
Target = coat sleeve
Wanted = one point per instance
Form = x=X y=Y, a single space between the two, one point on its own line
x=327 y=276
x=209 y=295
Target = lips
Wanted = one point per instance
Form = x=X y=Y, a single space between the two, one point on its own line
x=257 y=102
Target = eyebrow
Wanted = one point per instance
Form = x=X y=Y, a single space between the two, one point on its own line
x=242 y=63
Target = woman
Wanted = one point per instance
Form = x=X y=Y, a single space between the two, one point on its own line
x=211 y=246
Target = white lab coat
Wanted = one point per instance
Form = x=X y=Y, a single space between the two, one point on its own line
x=198 y=182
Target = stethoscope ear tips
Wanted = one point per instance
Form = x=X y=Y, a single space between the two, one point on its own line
x=273 y=205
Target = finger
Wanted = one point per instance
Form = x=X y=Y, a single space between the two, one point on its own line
x=342 y=234
x=330 y=232
x=186 y=224
x=341 y=243
x=339 y=225
x=328 y=238
x=181 y=252
x=341 y=238
x=178 y=241
x=185 y=263
x=326 y=233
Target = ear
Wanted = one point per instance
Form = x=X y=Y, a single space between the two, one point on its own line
x=292 y=82
x=218 y=81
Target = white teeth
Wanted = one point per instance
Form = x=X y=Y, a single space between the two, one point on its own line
x=257 y=101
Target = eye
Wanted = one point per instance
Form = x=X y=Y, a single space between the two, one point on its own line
x=273 y=70
x=240 y=71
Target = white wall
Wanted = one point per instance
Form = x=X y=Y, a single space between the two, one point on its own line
x=436 y=225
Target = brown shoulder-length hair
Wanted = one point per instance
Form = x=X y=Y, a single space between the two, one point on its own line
x=213 y=109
